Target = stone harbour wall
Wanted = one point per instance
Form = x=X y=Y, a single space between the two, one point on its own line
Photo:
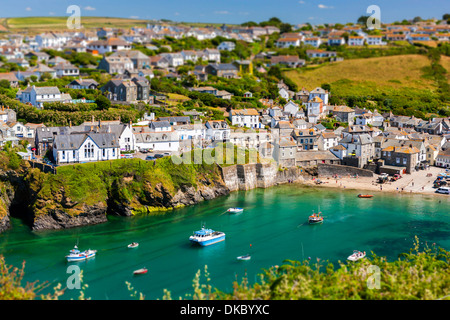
x=326 y=170
x=251 y=176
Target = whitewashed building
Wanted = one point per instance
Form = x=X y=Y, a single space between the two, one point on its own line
x=73 y=148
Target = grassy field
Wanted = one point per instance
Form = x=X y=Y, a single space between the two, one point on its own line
x=39 y=24
x=384 y=73
x=445 y=62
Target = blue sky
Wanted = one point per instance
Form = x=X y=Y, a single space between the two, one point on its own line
x=232 y=11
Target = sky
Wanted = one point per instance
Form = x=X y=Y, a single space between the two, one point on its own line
x=232 y=11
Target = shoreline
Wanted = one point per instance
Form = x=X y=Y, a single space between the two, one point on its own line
x=415 y=183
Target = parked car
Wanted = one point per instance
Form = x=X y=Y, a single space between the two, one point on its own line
x=127 y=156
x=439 y=183
x=396 y=177
x=150 y=158
x=382 y=178
x=158 y=155
x=444 y=190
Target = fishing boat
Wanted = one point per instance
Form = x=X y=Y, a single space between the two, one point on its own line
x=77 y=255
x=140 y=271
x=235 y=210
x=133 y=245
x=244 y=257
x=356 y=255
x=315 y=218
x=365 y=196
x=206 y=237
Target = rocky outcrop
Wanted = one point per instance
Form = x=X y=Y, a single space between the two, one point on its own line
x=59 y=219
x=48 y=202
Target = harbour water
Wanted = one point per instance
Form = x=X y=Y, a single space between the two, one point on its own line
x=272 y=228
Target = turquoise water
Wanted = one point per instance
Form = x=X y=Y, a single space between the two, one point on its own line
x=272 y=228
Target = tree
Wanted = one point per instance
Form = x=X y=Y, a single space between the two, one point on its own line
x=102 y=102
x=5 y=84
x=362 y=20
x=285 y=27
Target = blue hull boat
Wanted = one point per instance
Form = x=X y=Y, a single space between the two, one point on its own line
x=206 y=237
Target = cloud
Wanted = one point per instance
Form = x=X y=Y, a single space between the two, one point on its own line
x=222 y=12
x=28 y=9
x=302 y=2
x=89 y=8
x=134 y=17
x=322 y=6
x=176 y=13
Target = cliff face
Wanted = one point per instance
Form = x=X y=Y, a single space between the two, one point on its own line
x=79 y=195
x=87 y=194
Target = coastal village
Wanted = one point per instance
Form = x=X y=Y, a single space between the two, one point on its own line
x=155 y=159
x=301 y=128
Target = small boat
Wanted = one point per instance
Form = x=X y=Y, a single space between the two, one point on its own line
x=140 y=271
x=133 y=245
x=77 y=255
x=365 y=196
x=244 y=257
x=235 y=210
x=356 y=255
x=315 y=218
x=206 y=237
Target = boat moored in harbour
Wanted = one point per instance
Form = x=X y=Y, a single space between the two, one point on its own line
x=365 y=196
x=206 y=237
x=244 y=257
x=77 y=255
x=356 y=255
x=133 y=245
x=235 y=210
x=315 y=218
x=140 y=271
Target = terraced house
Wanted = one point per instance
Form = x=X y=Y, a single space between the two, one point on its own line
x=127 y=90
x=245 y=118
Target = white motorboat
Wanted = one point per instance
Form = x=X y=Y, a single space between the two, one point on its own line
x=206 y=237
x=133 y=245
x=356 y=255
x=244 y=257
x=235 y=210
x=140 y=271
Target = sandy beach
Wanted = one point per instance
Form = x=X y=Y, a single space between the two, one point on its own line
x=416 y=182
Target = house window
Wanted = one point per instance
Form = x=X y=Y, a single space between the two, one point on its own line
x=63 y=155
x=397 y=160
x=89 y=150
x=404 y=160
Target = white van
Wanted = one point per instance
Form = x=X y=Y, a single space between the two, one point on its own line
x=444 y=190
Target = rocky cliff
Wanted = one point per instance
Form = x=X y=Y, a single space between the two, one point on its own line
x=86 y=194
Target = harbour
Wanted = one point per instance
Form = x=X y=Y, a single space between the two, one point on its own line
x=272 y=228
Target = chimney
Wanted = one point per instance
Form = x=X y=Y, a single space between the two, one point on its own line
x=70 y=123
